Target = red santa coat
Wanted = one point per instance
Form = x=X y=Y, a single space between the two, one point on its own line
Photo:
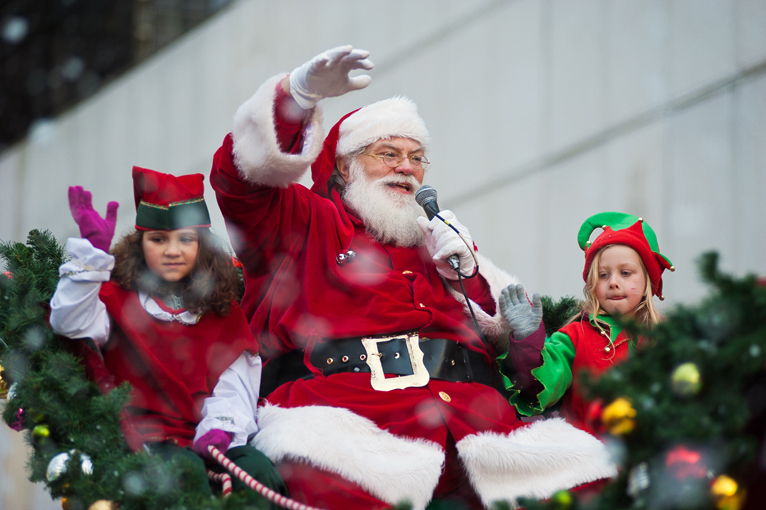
x=172 y=367
x=297 y=295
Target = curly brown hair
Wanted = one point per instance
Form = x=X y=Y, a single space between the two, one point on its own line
x=209 y=288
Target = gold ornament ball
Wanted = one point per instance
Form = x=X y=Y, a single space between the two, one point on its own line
x=723 y=486
x=686 y=380
x=734 y=502
x=103 y=504
x=41 y=432
x=3 y=385
x=618 y=417
x=727 y=494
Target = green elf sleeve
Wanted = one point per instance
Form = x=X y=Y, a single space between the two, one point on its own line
x=555 y=375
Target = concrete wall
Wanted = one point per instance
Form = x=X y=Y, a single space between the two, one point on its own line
x=542 y=114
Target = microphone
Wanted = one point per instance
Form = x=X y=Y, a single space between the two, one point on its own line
x=425 y=196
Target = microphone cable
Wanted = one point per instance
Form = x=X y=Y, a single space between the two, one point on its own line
x=461 y=276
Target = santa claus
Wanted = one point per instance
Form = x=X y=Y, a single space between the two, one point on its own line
x=378 y=386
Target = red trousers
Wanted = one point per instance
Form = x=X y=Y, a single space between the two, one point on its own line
x=324 y=489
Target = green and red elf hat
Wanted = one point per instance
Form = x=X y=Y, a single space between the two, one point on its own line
x=632 y=231
x=167 y=202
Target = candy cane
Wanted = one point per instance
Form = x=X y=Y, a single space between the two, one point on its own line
x=257 y=486
x=224 y=478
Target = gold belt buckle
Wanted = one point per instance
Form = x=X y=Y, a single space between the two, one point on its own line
x=419 y=377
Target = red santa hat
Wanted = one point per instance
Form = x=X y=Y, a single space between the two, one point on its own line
x=389 y=118
x=632 y=231
x=167 y=202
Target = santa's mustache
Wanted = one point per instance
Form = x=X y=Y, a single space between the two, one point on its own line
x=399 y=180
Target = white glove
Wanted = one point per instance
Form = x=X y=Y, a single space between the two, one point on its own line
x=326 y=75
x=442 y=242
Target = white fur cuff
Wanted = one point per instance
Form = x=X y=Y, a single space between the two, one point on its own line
x=534 y=461
x=391 y=468
x=256 y=152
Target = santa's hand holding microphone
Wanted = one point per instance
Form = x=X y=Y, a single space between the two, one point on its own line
x=448 y=241
x=450 y=245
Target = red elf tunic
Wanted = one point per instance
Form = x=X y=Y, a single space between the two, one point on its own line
x=171 y=366
x=576 y=347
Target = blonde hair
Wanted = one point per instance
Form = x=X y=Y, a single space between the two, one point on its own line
x=645 y=313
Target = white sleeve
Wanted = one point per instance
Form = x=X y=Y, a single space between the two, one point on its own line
x=76 y=310
x=232 y=405
x=256 y=151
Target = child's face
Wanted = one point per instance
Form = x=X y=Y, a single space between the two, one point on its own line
x=621 y=282
x=171 y=255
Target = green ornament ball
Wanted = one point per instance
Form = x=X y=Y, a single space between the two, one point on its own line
x=686 y=380
x=40 y=432
x=562 y=500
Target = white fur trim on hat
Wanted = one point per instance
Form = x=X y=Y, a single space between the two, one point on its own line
x=391 y=468
x=256 y=150
x=389 y=118
x=534 y=461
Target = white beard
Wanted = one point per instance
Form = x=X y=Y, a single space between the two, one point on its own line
x=389 y=216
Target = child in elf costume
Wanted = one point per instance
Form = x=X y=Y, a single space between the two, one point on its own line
x=161 y=310
x=623 y=271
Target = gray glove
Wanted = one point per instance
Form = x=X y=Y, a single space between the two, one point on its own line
x=523 y=319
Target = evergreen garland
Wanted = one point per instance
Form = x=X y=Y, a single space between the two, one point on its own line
x=684 y=434
x=557 y=313
x=699 y=397
x=61 y=411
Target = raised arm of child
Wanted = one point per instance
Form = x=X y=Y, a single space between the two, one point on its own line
x=76 y=311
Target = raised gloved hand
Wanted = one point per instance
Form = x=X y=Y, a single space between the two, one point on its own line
x=326 y=75
x=442 y=242
x=523 y=319
x=99 y=231
x=216 y=437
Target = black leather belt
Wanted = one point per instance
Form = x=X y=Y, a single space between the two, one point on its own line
x=444 y=359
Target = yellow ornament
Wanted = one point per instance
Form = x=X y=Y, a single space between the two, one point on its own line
x=686 y=380
x=723 y=486
x=103 y=504
x=727 y=494
x=3 y=385
x=618 y=417
x=64 y=504
x=41 y=432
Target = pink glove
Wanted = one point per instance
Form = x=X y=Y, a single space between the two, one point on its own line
x=97 y=230
x=215 y=437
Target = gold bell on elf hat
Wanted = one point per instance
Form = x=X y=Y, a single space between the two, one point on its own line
x=632 y=231
x=167 y=202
